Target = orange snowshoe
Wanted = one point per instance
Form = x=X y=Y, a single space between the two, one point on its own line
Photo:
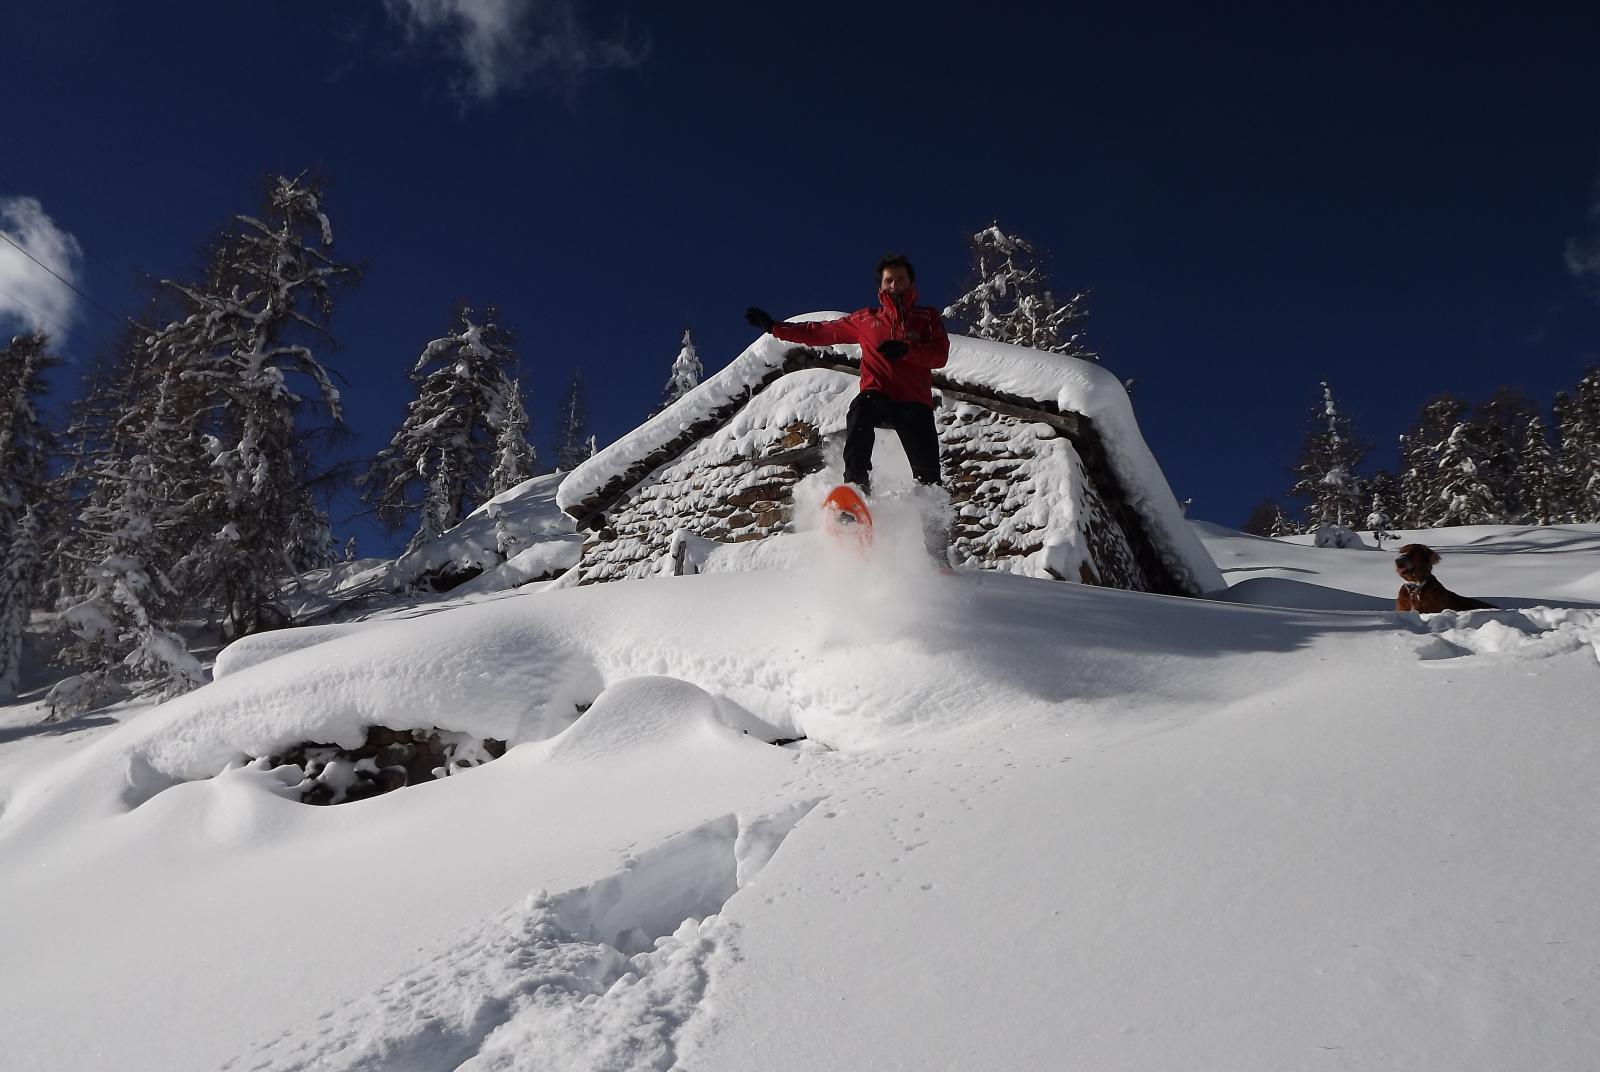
x=846 y=518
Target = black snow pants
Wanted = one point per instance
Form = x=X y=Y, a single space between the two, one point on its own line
x=912 y=422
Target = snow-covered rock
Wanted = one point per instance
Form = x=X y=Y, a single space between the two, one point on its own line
x=517 y=537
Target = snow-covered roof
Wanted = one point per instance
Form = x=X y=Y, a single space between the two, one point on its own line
x=1051 y=381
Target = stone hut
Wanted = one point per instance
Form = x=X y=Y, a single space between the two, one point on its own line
x=1046 y=469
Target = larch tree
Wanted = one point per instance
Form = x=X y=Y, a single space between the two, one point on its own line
x=1009 y=298
x=246 y=344
x=574 y=444
x=458 y=444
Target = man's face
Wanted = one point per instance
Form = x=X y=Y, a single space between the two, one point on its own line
x=895 y=279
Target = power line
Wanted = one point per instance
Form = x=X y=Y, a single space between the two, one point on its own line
x=36 y=312
x=120 y=274
x=68 y=283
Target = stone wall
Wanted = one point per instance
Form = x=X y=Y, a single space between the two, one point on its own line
x=1023 y=501
x=705 y=492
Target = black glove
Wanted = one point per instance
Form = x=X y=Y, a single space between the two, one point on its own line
x=894 y=349
x=758 y=318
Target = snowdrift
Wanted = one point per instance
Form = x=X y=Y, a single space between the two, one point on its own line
x=1029 y=824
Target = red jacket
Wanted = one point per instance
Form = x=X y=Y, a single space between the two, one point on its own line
x=909 y=379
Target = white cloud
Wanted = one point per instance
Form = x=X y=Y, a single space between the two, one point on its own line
x=506 y=45
x=29 y=295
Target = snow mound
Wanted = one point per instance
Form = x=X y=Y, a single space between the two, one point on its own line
x=518 y=536
x=258 y=648
x=641 y=715
x=503 y=527
x=1531 y=633
x=1283 y=592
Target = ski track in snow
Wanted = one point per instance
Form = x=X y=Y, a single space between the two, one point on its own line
x=603 y=977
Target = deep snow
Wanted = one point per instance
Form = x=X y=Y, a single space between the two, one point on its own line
x=1034 y=825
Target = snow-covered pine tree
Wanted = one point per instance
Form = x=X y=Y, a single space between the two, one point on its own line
x=573 y=442
x=1466 y=499
x=266 y=296
x=120 y=623
x=132 y=529
x=1329 y=458
x=457 y=445
x=1378 y=520
x=1537 y=481
x=687 y=372
x=515 y=458
x=1009 y=298
x=1563 y=414
x=1260 y=520
x=116 y=404
x=1502 y=424
x=1423 y=507
x=17 y=587
x=1386 y=485
x=1578 y=427
x=26 y=445
x=132 y=408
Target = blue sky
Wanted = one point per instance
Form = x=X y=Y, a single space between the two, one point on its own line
x=1401 y=203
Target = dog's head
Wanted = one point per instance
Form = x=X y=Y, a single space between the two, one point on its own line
x=1414 y=562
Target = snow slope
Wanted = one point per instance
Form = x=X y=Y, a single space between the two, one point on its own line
x=1034 y=825
x=1508 y=566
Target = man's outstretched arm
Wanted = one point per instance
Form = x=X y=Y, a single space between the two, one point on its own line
x=813 y=333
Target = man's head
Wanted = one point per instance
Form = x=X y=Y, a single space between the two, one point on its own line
x=895 y=273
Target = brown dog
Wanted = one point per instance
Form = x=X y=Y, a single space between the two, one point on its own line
x=1422 y=591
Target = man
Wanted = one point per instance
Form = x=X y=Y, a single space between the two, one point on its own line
x=901 y=344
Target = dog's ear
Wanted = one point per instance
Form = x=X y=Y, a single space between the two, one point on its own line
x=1433 y=556
x=1405 y=550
